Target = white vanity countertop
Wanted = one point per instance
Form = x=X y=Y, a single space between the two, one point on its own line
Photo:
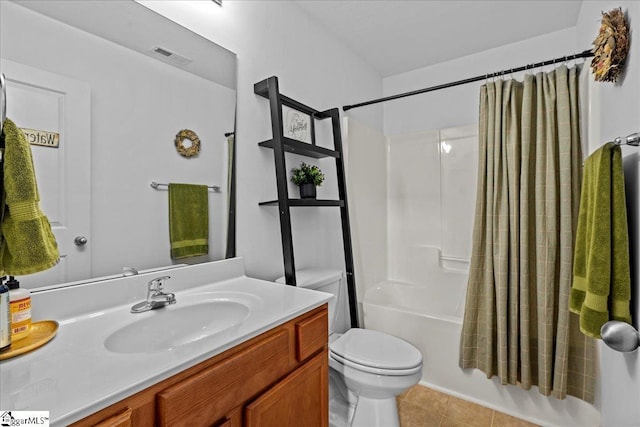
x=74 y=375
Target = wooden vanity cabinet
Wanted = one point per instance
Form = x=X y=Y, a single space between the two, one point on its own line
x=279 y=378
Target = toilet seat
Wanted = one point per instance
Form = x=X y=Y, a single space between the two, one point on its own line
x=376 y=352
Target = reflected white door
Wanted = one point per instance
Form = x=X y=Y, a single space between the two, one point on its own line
x=40 y=100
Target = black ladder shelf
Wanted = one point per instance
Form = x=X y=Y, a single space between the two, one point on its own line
x=280 y=144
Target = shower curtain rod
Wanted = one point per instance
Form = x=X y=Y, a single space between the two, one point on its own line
x=584 y=54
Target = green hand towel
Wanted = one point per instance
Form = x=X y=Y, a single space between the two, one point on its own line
x=188 y=220
x=601 y=289
x=28 y=244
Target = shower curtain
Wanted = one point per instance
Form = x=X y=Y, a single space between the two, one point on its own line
x=517 y=323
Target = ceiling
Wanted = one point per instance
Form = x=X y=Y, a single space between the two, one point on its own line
x=395 y=36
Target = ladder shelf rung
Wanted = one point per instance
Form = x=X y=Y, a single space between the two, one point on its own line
x=262 y=88
x=302 y=148
x=306 y=202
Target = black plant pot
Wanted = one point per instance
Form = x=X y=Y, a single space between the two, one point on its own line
x=307 y=191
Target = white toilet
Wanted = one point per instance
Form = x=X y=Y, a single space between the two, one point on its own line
x=368 y=369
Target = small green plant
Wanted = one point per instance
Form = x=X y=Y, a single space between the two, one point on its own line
x=307 y=174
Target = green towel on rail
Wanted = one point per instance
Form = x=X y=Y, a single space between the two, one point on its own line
x=601 y=288
x=27 y=244
x=188 y=220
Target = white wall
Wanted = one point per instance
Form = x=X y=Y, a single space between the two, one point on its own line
x=616 y=112
x=138 y=104
x=458 y=105
x=278 y=38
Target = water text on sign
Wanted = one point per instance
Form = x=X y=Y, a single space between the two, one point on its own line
x=42 y=137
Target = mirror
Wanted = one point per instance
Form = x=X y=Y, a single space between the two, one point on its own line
x=115 y=83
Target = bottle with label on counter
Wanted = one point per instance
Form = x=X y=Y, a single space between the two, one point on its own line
x=20 y=309
x=5 y=322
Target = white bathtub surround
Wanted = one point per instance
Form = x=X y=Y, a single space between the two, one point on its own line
x=365 y=150
x=75 y=375
x=431 y=186
x=428 y=314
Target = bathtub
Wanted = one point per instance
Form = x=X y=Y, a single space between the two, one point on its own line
x=429 y=315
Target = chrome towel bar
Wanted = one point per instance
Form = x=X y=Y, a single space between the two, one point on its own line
x=156 y=185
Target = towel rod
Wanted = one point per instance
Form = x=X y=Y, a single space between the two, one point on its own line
x=154 y=184
x=633 y=139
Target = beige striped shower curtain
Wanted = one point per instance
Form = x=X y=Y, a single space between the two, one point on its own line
x=517 y=324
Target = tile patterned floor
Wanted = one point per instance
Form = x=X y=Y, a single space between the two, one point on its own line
x=424 y=407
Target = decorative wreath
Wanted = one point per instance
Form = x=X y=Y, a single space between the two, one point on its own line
x=191 y=151
x=610 y=47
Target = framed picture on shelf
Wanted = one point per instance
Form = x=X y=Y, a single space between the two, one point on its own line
x=296 y=125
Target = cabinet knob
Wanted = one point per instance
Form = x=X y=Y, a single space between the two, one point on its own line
x=80 y=241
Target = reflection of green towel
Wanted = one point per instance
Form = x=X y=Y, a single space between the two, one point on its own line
x=601 y=277
x=28 y=245
x=188 y=220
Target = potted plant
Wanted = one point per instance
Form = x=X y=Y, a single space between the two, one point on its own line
x=307 y=177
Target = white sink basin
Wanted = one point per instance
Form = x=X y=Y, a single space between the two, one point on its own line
x=197 y=318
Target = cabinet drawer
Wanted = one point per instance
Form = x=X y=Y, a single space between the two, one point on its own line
x=311 y=334
x=208 y=396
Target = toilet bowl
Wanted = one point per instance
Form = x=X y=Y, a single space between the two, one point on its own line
x=375 y=367
x=368 y=368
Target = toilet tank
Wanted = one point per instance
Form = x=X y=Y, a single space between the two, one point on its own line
x=331 y=282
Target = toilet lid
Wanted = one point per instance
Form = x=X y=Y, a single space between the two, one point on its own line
x=376 y=349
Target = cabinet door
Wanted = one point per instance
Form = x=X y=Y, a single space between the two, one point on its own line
x=301 y=399
x=122 y=419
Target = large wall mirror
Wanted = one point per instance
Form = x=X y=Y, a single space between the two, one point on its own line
x=116 y=82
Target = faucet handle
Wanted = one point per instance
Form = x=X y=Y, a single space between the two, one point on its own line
x=157 y=284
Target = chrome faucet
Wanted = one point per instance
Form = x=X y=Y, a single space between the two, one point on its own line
x=156 y=298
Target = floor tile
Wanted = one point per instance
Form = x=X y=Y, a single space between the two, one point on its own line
x=431 y=400
x=504 y=420
x=414 y=416
x=450 y=422
x=469 y=413
x=425 y=407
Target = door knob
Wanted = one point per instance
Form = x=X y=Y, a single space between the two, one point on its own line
x=80 y=241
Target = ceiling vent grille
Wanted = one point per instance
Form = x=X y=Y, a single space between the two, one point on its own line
x=171 y=56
